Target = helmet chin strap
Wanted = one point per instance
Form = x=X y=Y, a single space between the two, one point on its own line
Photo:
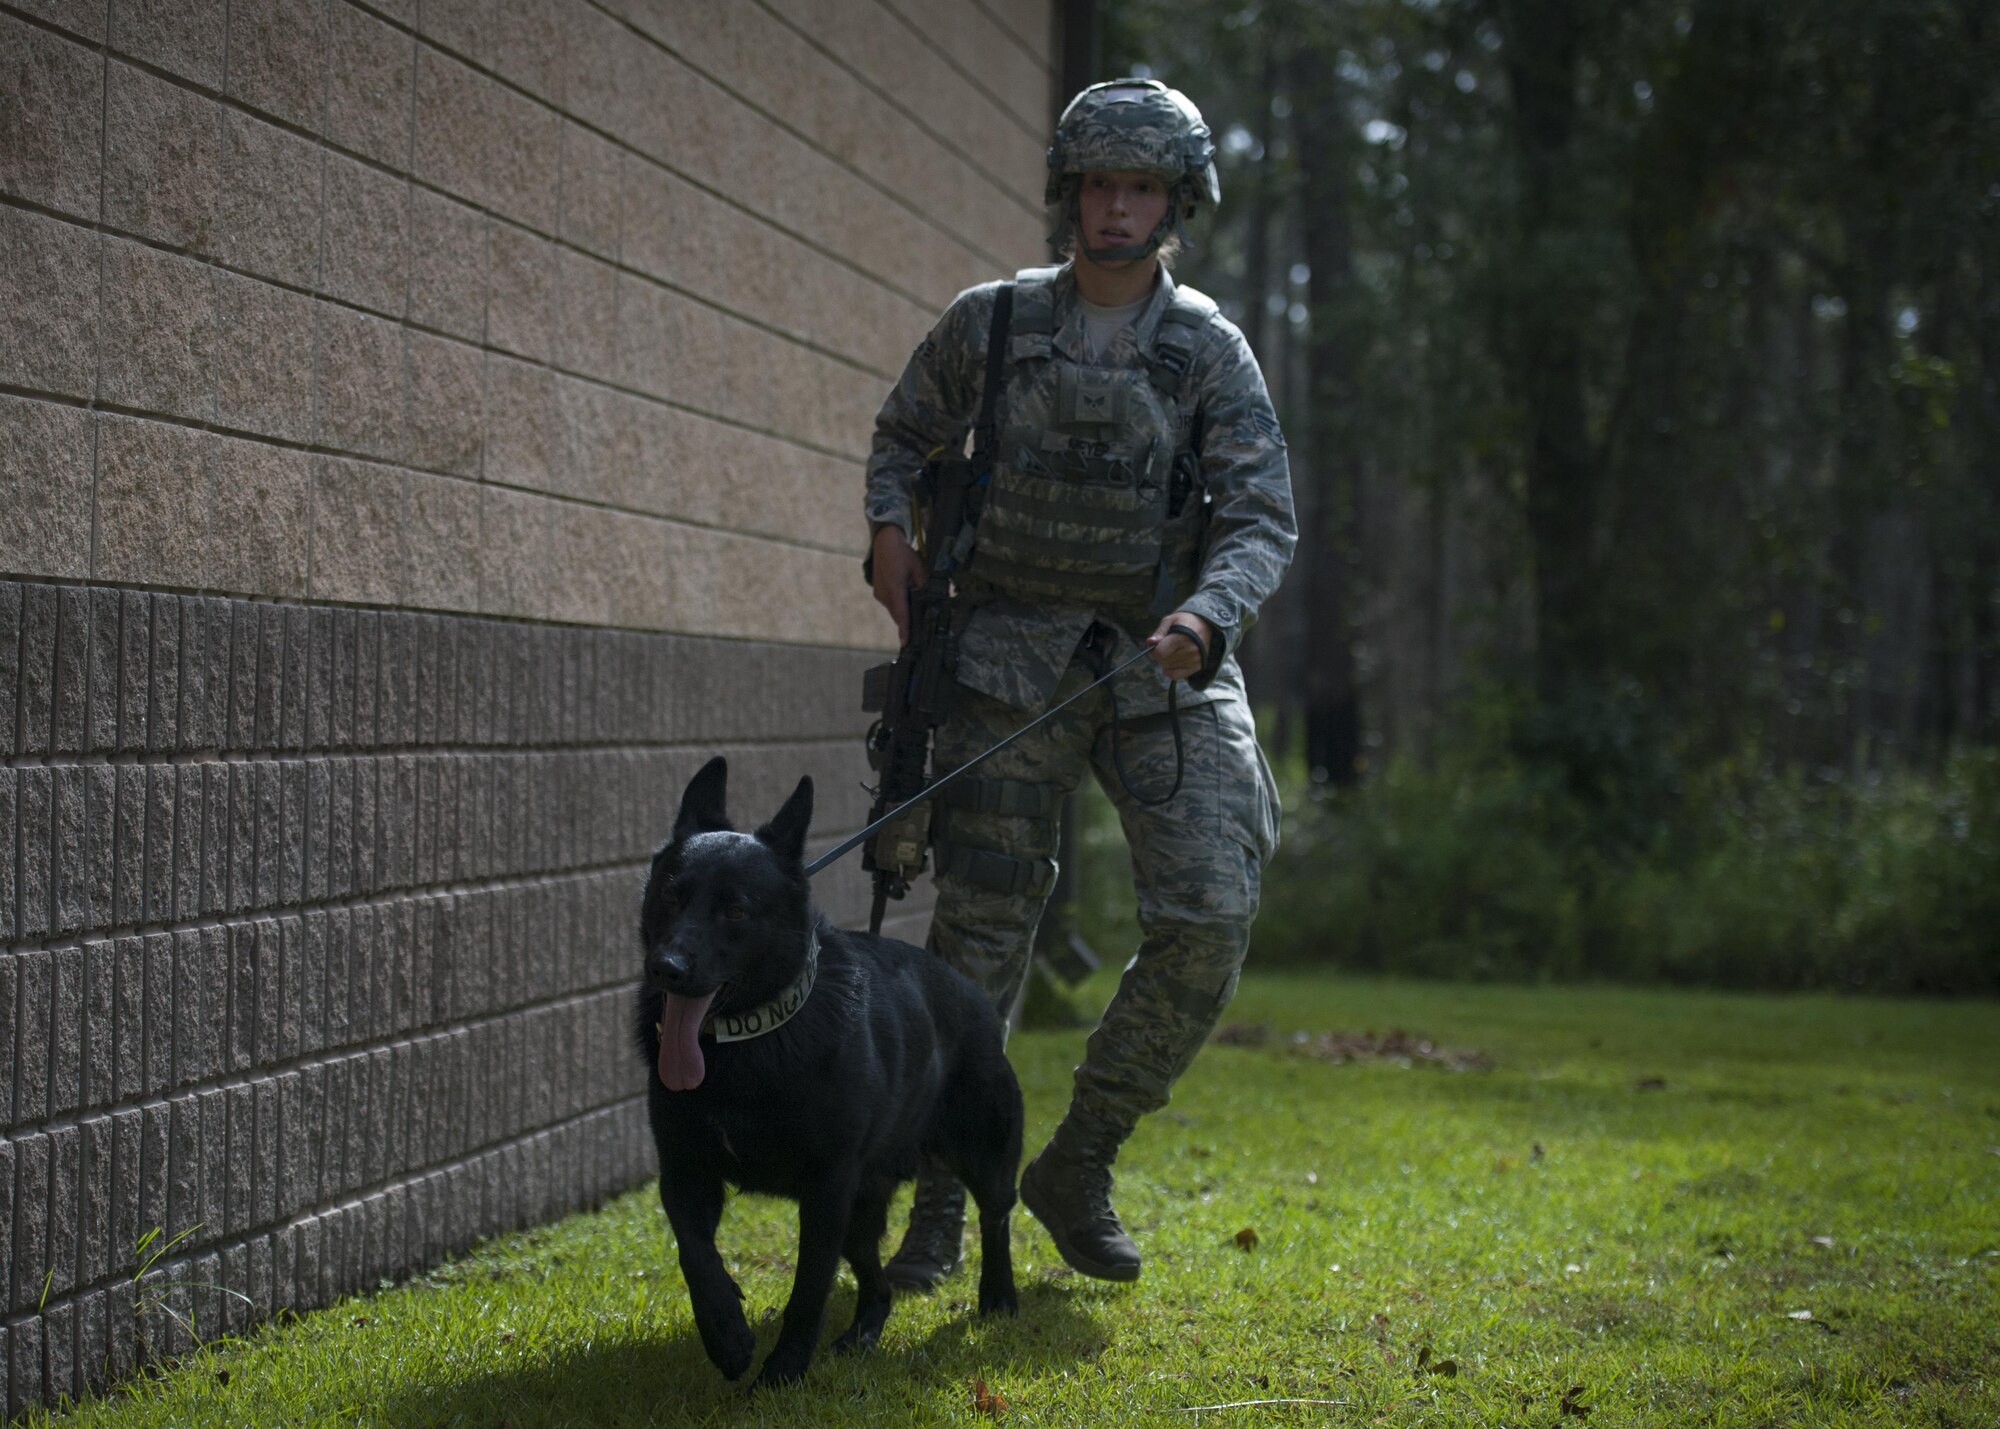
x=1124 y=252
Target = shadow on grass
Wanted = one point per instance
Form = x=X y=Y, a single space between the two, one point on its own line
x=669 y=1380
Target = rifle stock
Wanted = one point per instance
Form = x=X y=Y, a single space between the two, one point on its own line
x=912 y=695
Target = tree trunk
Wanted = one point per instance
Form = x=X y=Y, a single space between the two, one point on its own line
x=1332 y=701
x=1545 y=341
x=1982 y=705
x=1264 y=661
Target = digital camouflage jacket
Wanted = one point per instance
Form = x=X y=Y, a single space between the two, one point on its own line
x=1015 y=648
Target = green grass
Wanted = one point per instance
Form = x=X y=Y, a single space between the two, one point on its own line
x=1547 y=1224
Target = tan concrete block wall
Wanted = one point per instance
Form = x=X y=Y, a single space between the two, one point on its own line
x=315 y=921
x=570 y=309
x=429 y=429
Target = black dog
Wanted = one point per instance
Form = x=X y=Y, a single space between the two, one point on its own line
x=798 y=1060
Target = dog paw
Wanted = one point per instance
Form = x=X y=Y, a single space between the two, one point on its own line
x=731 y=1350
x=1000 y=1302
x=857 y=1338
x=782 y=1369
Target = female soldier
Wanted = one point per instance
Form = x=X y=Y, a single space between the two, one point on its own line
x=1139 y=483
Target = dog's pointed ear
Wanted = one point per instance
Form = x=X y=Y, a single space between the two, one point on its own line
x=785 y=835
x=702 y=804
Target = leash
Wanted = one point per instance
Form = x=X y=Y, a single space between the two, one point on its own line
x=1096 y=659
x=854 y=841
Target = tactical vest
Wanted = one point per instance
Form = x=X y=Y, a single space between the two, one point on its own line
x=1095 y=496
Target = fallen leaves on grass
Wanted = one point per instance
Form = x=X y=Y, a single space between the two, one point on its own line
x=1825 y=1241
x=1379 y=1327
x=1402 y=1048
x=1427 y=1365
x=987 y=1401
x=1807 y=1317
x=1246 y=1239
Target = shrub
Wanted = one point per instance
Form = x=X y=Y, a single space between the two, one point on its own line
x=1501 y=861
x=1499 y=868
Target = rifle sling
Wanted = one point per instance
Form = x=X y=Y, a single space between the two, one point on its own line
x=985 y=434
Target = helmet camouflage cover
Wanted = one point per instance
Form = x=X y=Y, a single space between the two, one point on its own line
x=1135 y=124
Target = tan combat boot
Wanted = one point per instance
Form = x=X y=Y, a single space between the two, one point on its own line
x=934 y=1244
x=1068 y=1189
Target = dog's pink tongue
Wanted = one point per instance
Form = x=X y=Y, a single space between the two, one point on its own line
x=681 y=1066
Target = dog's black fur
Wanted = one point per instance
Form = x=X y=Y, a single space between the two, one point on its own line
x=893 y=1057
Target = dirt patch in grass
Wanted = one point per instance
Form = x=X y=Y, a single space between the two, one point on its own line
x=1397 y=1047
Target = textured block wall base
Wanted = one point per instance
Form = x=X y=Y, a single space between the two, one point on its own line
x=317 y=938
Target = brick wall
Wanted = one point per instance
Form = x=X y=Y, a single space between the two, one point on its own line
x=427 y=431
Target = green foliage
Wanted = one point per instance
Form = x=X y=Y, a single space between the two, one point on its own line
x=1649 y=341
x=1703 y=1209
x=1497 y=864
x=1462 y=875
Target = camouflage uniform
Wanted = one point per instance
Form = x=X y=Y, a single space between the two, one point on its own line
x=1124 y=485
x=1197 y=858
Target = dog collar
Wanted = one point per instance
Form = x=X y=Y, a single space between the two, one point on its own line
x=768 y=1016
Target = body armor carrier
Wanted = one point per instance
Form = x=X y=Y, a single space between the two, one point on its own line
x=1096 y=496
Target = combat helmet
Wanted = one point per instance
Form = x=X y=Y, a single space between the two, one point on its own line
x=1134 y=124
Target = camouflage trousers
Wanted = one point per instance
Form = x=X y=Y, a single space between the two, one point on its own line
x=1196 y=859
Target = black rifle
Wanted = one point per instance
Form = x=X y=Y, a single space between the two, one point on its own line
x=913 y=694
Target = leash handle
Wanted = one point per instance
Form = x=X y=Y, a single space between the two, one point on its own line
x=1173 y=718
x=1200 y=645
x=854 y=840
